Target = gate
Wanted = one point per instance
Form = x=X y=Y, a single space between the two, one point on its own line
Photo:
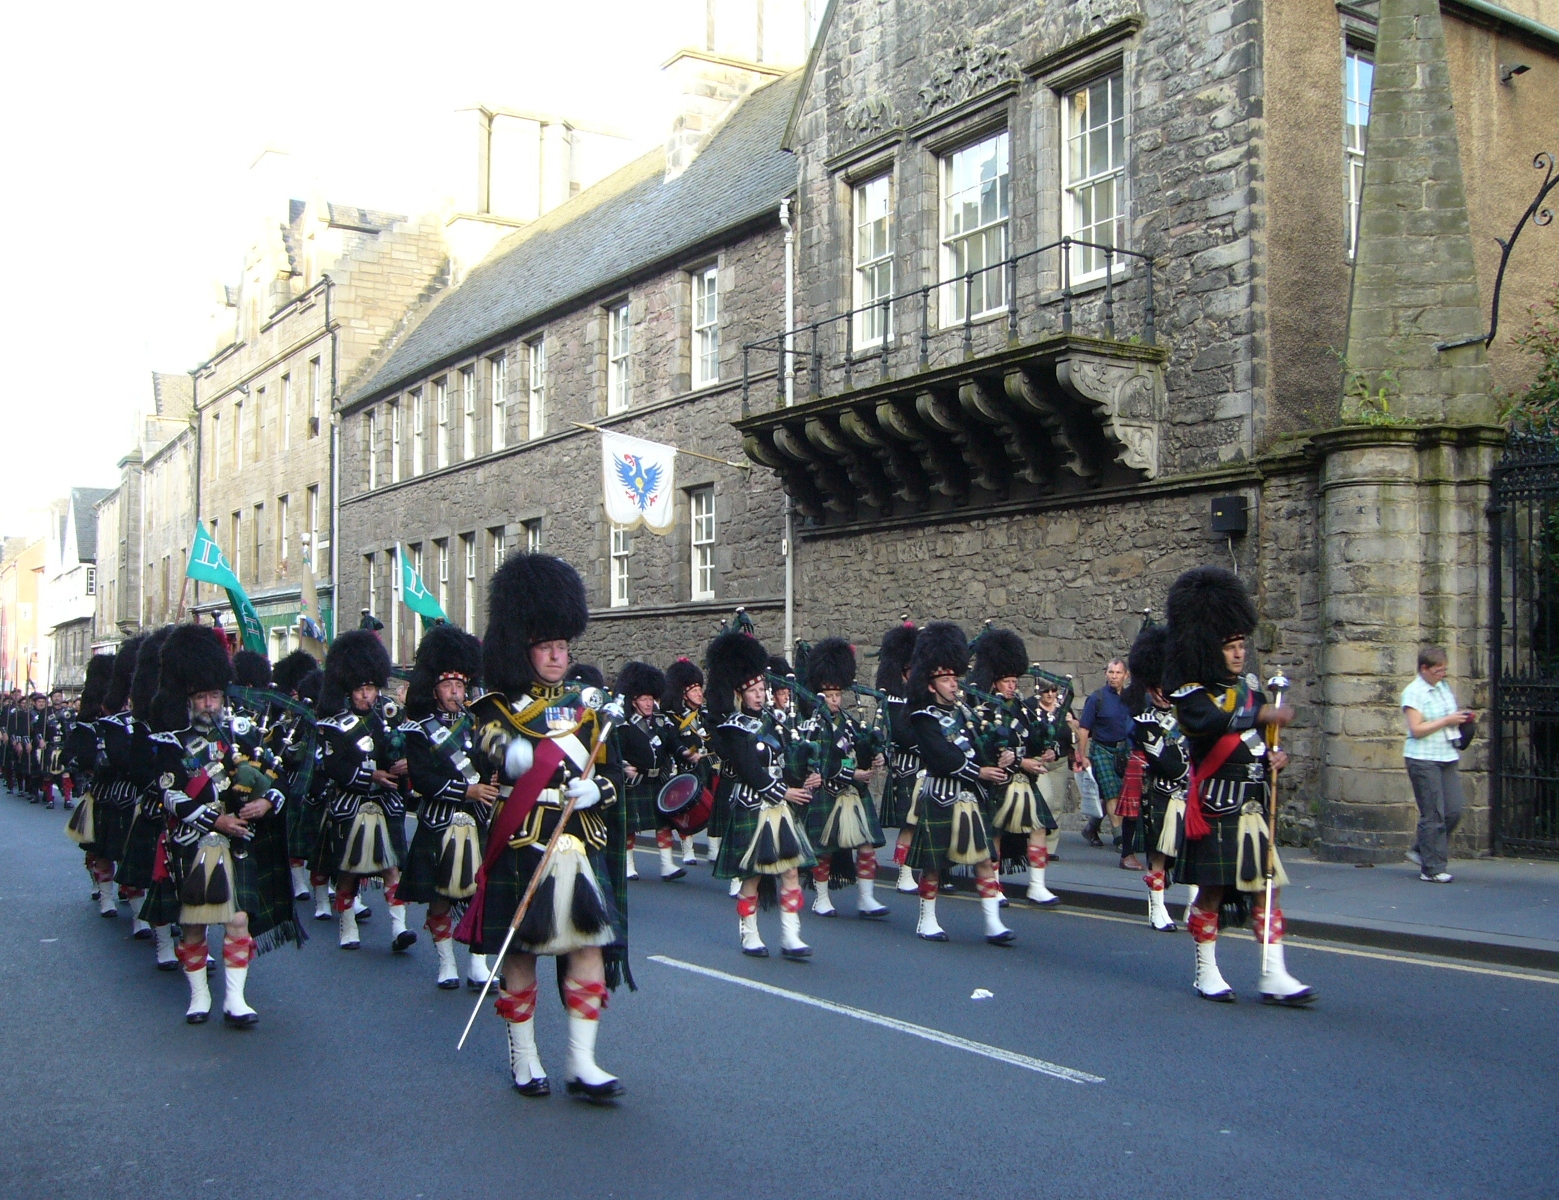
x=1524 y=648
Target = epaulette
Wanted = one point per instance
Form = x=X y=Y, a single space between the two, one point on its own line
x=743 y=722
x=1182 y=692
x=342 y=722
x=168 y=739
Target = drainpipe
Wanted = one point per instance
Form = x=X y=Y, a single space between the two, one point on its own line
x=790 y=398
x=335 y=470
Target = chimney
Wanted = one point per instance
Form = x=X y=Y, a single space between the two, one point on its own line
x=709 y=87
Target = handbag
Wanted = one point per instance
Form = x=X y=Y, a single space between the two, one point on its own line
x=1465 y=733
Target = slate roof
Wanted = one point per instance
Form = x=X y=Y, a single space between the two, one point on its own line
x=629 y=221
x=84 y=502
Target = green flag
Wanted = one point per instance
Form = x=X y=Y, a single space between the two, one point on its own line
x=415 y=594
x=207 y=564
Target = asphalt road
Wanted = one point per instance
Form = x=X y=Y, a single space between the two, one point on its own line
x=1092 y=1071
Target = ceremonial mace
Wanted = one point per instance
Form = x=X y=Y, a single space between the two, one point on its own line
x=1278 y=686
x=612 y=712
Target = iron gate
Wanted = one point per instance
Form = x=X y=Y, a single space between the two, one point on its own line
x=1524 y=648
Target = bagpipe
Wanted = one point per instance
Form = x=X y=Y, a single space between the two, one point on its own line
x=875 y=734
x=803 y=756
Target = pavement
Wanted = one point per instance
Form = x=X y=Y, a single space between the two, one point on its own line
x=872 y=1070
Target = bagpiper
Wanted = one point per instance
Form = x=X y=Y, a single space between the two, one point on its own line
x=952 y=829
x=1222 y=711
x=647 y=741
x=841 y=821
x=227 y=847
x=454 y=801
x=137 y=802
x=1158 y=772
x=542 y=741
x=58 y=720
x=684 y=704
x=84 y=755
x=897 y=810
x=297 y=740
x=1021 y=820
x=364 y=835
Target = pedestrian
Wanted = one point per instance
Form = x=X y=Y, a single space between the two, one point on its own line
x=1104 y=743
x=1432 y=751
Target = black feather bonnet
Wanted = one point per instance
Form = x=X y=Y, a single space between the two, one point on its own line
x=534 y=598
x=446 y=651
x=251 y=670
x=100 y=673
x=998 y=654
x=193 y=659
x=124 y=673
x=733 y=659
x=1207 y=607
x=287 y=674
x=641 y=679
x=831 y=664
x=355 y=658
x=680 y=676
x=941 y=646
x=893 y=656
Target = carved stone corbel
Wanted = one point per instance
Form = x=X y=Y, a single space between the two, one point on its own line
x=1128 y=399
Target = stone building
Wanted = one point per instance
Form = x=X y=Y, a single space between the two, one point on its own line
x=24 y=643
x=989 y=425
x=626 y=307
x=68 y=596
x=168 y=504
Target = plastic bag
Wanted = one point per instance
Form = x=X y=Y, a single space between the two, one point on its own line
x=1088 y=791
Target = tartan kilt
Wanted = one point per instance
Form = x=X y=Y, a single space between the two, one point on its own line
x=161 y=906
x=110 y=827
x=506 y=884
x=1211 y=861
x=928 y=849
x=303 y=831
x=720 y=815
x=1150 y=823
x=741 y=826
x=1105 y=772
x=138 y=858
x=419 y=865
x=822 y=807
x=332 y=842
x=898 y=797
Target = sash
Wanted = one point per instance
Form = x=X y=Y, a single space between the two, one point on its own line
x=521 y=800
x=1196 y=826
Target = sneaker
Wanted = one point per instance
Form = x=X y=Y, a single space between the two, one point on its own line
x=1442 y=877
x=1414 y=857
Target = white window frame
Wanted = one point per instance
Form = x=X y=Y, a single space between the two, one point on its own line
x=1085 y=179
x=441 y=407
x=237 y=526
x=706 y=326
x=372 y=428
x=311 y=501
x=468 y=412
x=419 y=452
x=500 y=377
x=395 y=441
x=286 y=411
x=871 y=209
x=988 y=237
x=536 y=416
x=619 y=345
x=532 y=536
x=238 y=435
x=373 y=587
x=468 y=545
x=500 y=547
x=316 y=379
x=620 y=574
x=701 y=520
x=283 y=507
x=259 y=423
x=91 y=581
x=442 y=545
x=1358 y=84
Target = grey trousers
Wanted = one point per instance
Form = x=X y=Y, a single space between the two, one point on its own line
x=1437 y=786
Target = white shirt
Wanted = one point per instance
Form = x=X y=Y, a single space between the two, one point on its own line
x=1433 y=702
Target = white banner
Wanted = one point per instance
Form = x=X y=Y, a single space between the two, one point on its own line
x=637 y=479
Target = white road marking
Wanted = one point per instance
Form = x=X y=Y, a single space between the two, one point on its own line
x=1054 y=1070
x=1332 y=948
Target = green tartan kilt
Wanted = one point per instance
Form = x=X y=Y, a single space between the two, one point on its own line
x=741 y=827
x=262 y=886
x=161 y=906
x=897 y=801
x=139 y=857
x=1150 y=823
x=506 y=884
x=419 y=865
x=643 y=812
x=928 y=849
x=303 y=831
x=1105 y=770
x=720 y=814
x=822 y=807
x=110 y=827
x=332 y=841
x=1211 y=861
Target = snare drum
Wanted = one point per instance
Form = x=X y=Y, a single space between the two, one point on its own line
x=686 y=803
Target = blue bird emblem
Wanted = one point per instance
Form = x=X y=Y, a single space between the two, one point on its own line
x=641 y=481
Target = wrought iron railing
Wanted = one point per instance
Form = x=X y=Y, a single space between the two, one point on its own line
x=816 y=353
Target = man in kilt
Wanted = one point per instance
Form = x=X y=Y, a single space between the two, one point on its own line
x=952 y=830
x=841 y=821
x=134 y=802
x=454 y=800
x=543 y=742
x=646 y=742
x=364 y=834
x=1157 y=774
x=897 y=809
x=84 y=757
x=57 y=723
x=1104 y=745
x=683 y=702
x=227 y=849
x=764 y=847
x=1021 y=820
x=1222 y=712
x=295 y=738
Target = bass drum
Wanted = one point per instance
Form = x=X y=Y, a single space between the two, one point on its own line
x=686 y=803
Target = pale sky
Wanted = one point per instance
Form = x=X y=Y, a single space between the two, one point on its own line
x=128 y=132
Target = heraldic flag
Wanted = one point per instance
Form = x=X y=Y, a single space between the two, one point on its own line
x=638 y=480
x=415 y=593
x=207 y=564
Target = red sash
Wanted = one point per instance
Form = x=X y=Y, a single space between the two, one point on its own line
x=1196 y=826
x=522 y=799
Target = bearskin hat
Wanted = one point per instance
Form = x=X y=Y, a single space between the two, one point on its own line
x=733 y=659
x=148 y=667
x=1146 y=664
x=308 y=688
x=287 y=674
x=998 y=654
x=251 y=669
x=1207 y=606
x=445 y=650
x=941 y=646
x=587 y=674
x=641 y=679
x=893 y=657
x=193 y=659
x=355 y=658
x=534 y=598
x=680 y=676
x=831 y=664
x=779 y=665
x=100 y=673
x=124 y=671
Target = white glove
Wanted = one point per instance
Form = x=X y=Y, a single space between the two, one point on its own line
x=517 y=758
x=584 y=793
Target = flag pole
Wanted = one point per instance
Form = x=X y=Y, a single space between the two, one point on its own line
x=740 y=466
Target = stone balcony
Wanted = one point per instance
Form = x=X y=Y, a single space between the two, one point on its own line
x=1015 y=405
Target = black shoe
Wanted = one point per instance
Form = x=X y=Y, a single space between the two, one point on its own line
x=474 y=985
x=535 y=1088
x=197 y=1018
x=595 y=1093
x=799 y=954
x=939 y=936
x=1298 y=1000
x=142 y=935
x=403 y=942
x=111 y=914
x=875 y=914
x=677 y=874
x=171 y=965
x=69 y=806
x=448 y=985
x=1225 y=997
x=245 y=1021
x=1005 y=938
x=365 y=914
x=756 y=952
